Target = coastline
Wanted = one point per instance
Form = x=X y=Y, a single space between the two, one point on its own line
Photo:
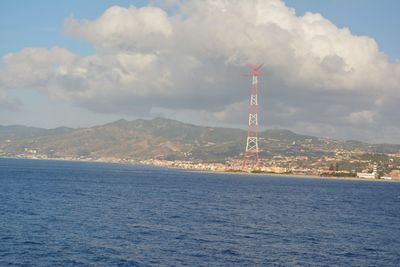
x=298 y=176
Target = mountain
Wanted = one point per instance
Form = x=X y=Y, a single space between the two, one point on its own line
x=167 y=139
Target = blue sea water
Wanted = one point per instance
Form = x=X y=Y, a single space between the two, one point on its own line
x=55 y=213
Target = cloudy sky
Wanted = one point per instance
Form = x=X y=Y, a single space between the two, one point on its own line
x=331 y=68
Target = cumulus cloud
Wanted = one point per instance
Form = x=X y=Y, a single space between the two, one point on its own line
x=318 y=78
x=129 y=29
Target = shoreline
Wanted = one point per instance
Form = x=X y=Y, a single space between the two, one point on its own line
x=298 y=176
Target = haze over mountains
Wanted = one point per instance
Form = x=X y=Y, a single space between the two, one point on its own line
x=167 y=139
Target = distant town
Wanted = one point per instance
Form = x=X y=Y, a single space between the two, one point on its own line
x=298 y=165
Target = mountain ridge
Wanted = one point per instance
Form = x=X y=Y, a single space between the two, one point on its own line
x=161 y=138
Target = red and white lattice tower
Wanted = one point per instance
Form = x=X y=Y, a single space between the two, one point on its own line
x=250 y=155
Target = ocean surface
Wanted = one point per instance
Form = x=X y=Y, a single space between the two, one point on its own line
x=55 y=213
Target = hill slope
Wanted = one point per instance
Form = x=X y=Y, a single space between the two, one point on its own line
x=166 y=139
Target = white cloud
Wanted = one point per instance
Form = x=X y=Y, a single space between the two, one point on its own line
x=361 y=117
x=121 y=28
x=317 y=76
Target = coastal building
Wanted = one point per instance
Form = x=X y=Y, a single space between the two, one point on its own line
x=274 y=169
x=395 y=174
x=368 y=175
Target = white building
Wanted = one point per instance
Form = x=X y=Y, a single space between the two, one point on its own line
x=367 y=175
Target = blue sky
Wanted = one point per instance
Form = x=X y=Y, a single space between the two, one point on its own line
x=39 y=23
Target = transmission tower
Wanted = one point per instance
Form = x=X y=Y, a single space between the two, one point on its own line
x=250 y=155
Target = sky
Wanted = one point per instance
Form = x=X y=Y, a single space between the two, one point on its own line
x=331 y=68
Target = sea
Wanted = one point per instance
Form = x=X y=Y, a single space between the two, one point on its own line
x=60 y=213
